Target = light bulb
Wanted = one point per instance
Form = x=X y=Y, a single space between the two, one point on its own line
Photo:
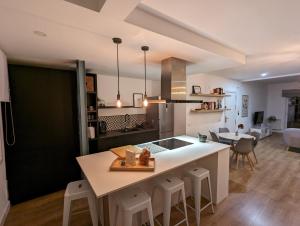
x=119 y=103
x=145 y=102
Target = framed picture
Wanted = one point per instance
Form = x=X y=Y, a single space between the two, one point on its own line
x=138 y=100
x=245 y=104
x=196 y=89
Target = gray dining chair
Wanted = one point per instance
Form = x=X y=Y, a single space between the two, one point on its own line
x=224 y=130
x=215 y=138
x=255 y=142
x=244 y=147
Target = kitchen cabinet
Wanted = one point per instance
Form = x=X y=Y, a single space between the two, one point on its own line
x=108 y=141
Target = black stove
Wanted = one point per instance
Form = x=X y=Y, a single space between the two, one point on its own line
x=172 y=143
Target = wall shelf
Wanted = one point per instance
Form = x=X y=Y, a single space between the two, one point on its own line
x=208 y=95
x=206 y=111
x=104 y=107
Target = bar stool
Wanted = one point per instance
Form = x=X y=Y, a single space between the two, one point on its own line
x=78 y=190
x=133 y=201
x=197 y=175
x=170 y=185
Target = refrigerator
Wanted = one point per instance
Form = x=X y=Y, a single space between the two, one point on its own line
x=161 y=116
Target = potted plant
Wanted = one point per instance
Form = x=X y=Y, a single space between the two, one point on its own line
x=240 y=126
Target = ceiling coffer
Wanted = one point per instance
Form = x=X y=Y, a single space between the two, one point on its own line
x=95 y=5
x=173 y=81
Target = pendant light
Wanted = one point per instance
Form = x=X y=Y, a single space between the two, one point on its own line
x=118 y=41
x=145 y=49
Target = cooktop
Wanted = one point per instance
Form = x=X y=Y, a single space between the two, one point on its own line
x=171 y=143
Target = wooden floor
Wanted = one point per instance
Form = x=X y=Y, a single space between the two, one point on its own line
x=267 y=196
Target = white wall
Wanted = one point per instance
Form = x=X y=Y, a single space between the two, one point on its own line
x=4 y=202
x=203 y=122
x=276 y=104
x=107 y=90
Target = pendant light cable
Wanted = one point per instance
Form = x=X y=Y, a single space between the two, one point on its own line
x=118 y=41
x=118 y=69
x=145 y=73
x=145 y=48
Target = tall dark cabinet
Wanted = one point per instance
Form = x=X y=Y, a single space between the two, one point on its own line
x=46 y=128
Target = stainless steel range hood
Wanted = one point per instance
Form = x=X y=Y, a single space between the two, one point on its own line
x=173 y=81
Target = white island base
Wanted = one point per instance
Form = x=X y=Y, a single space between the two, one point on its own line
x=212 y=156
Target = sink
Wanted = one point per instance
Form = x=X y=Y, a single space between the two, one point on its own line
x=127 y=130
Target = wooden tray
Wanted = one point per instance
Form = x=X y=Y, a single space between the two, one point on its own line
x=121 y=151
x=116 y=166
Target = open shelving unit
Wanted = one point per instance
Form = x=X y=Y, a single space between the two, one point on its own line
x=208 y=95
x=206 y=111
x=91 y=98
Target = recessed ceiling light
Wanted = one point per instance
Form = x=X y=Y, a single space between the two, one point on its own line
x=40 y=33
x=263 y=74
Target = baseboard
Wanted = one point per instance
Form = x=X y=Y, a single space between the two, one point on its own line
x=4 y=214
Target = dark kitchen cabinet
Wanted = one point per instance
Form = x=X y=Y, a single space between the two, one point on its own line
x=105 y=143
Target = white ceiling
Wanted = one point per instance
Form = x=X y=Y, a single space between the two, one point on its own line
x=265 y=30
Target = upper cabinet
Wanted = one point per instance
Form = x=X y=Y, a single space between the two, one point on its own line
x=4 y=84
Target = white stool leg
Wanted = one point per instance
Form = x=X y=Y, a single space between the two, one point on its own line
x=139 y=217
x=167 y=208
x=93 y=209
x=116 y=215
x=184 y=205
x=150 y=214
x=127 y=218
x=66 y=214
x=197 y=197
x=210 y=193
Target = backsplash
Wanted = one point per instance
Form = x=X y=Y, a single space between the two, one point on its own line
x=116 y=122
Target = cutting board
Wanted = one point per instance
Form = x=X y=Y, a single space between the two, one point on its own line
x=116 y=166
x=121 y=151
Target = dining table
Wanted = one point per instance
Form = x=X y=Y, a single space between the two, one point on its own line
x=235 y=137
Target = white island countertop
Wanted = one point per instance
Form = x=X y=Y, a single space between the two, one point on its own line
x=103 y=181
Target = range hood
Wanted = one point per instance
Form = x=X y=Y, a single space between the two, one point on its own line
x=173 y=81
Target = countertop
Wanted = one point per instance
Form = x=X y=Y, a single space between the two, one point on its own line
x=103 y=181
x=115 y=133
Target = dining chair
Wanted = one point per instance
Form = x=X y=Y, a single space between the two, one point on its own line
x=244 y=147
x=224 y=130
x=215 y=138
x=255 y=142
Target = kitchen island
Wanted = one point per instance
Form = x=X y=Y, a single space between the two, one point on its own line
x=210 y=155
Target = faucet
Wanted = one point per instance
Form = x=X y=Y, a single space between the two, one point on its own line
x=127 y=120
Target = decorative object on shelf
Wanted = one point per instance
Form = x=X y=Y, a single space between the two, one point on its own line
x=145 y=49
x=219 y=104
x=245 y=104
x=196 y=89
x=202 y=138
x=240 y=126
x=137 y=100
x=89 y=81
x=101 y=102
x=118 y=41
x=218 y=91
x=91 y=132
